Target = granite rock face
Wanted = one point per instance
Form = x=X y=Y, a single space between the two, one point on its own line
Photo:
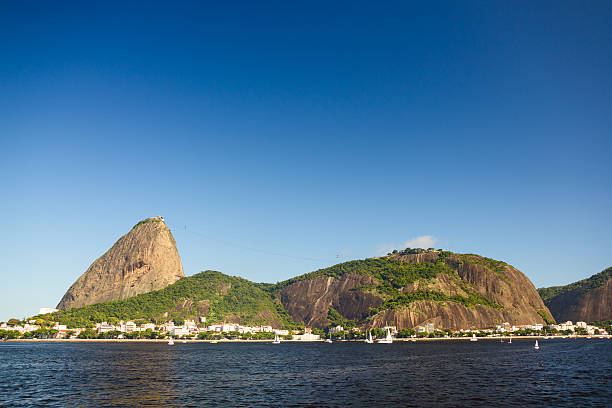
x=143 y=260
x=351 y=294
x=588 y=300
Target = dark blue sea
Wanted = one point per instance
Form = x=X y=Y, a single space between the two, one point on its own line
x=563 y=373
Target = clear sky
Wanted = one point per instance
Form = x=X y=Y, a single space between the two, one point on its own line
x=291 y=136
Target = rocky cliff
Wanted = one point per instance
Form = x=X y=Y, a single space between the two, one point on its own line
x=408 y=289
x=587 y=300
x=143 y=260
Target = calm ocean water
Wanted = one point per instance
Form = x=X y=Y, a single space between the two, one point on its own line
x=569 y=373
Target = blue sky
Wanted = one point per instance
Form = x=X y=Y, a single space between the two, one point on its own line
x=289 y=137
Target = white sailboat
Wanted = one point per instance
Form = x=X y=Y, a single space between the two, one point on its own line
x=510 y=341
x=328 y=340
x=536 y=346
x=387 y=340
x=473 y=337
x=369 y=339
x=171 y=342
x=277 y=339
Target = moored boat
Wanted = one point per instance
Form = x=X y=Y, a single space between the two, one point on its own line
x=388 y=338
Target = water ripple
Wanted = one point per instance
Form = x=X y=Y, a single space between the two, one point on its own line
x=564 y=373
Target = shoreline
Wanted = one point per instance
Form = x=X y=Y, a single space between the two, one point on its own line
x=177 y=341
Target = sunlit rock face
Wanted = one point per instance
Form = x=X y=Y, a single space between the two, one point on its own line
x=143 y=260
x=309 y=300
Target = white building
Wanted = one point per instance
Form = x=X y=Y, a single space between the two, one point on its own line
x=307 y=336
x=104 y=327
x=180 y=331
x=147 y=326
x=167 y=327
x=336 y=329
x=191 y=324
x=31 y=327
x=565 y=326
x=130 y=327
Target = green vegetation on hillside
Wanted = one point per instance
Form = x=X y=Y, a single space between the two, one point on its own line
x=156 y=220
x=393 y=275
x=390 y=273
x=545 y=316
x=220 y=297
x=407 y=298
x=492 y=264
x=337 y=319
x=579 y=287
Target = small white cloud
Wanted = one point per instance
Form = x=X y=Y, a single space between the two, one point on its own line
x=426 y=241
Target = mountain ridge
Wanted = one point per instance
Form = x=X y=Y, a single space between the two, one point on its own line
x=587 y=300
x=406 y=288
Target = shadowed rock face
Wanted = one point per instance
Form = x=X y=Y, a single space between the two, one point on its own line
x=309 y=300
x=588 y=300
x=143 y=260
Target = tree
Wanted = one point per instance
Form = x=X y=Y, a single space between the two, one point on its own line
x=88 y=334
x=13 y=322
x=9 y=334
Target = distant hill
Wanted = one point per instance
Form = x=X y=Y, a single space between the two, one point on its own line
x=413 y=287
x=212 y=294
x=587 y=300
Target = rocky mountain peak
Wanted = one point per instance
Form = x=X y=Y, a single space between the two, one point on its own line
x=143 y=260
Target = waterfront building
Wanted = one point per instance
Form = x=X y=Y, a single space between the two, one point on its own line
x=180 y=331
x=228 y=327
x=130 y=327
x=215 y=327
x=167 y=327
x=104 y=327
x=146 y=326
x=307 y=336
x=31 y=327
